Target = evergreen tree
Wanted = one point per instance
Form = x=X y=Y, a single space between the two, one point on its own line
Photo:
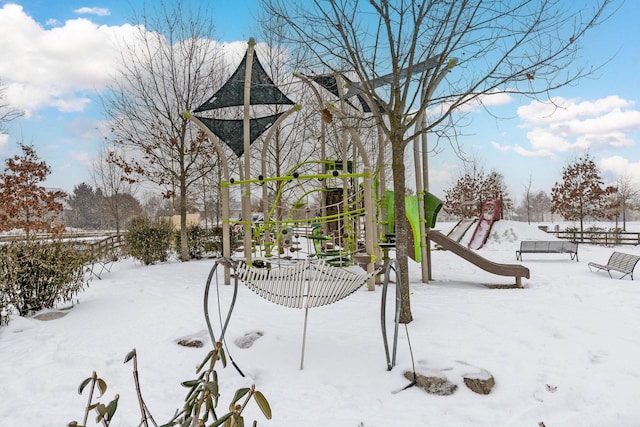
x=128 y=207
x=540 y=205
x=24 y=203
x=85 y=205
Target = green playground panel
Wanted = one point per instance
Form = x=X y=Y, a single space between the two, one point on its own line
x=432 y=206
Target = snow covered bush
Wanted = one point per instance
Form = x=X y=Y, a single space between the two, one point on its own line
x=204 y=241
x=148 y=241
x=36 y=275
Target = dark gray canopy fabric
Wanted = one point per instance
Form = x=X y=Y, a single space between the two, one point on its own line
x=328 y=81
x=232 y=131
x=263 y=90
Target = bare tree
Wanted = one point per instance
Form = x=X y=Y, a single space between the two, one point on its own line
x=628 y=194
x=7 y=113
x=112 y=181
x=402 y=50
x=171 y=67
x=528 y=200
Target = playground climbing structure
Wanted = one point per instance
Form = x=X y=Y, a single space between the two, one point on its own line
x=344 y=188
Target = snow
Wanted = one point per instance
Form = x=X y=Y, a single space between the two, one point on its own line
x=563 y=351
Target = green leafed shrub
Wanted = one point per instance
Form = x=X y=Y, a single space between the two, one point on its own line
x=148 y=241
x=36 y=275
x=203 y=241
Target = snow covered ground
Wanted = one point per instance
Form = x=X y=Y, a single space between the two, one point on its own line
x=564 y=351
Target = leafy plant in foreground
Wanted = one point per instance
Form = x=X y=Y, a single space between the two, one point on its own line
x=105 y=412
x=200 y=403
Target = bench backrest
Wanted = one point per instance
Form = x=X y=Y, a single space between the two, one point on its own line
x=551 y=246
x=624 y=262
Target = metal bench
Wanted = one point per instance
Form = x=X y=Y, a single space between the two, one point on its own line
x=548 y=247
x=620 y=262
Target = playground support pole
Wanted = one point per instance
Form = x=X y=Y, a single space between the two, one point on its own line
x=422 y=123
x=420 y=171
x=425 y=180
x=224 y=193
x=246 y=191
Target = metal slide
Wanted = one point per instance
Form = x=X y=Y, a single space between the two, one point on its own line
x=460 y=229
x=481 y=233
x=515 y=270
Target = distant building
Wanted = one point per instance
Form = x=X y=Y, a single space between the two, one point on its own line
x=192 y=220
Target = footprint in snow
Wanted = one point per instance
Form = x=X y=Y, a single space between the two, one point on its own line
x=248 y=339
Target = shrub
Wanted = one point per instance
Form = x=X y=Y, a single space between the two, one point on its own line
x=36 y=275
x=204 y=241
x=147 y=241
x=196 y=237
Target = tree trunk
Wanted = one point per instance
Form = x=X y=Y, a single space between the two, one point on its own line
x=401 y=227
x=184 y=241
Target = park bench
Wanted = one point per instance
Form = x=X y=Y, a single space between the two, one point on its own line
x=620 y=262
x=548 y=247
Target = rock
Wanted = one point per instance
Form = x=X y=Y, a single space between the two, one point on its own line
x=443 y=377
x=481 y=383
x=190 y=342
x=432 y=384
x=196 y=340
x=50 y=315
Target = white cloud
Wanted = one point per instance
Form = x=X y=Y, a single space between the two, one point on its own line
x=541 y=153
x=4 y=141
x=50 y=67
x=568 y=125
x=75 y=104
x=61 y=67
x=561 y=110
x=99 y=11
x=494 y=99
x=620 y=167
x=81 y=158
x=503 y=148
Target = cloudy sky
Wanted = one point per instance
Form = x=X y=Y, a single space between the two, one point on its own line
x=58 y=54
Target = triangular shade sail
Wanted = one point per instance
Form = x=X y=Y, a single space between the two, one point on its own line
x=231 y=131
x=263 y=90
x=328 y=81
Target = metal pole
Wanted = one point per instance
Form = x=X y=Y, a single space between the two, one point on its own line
x=246 y=190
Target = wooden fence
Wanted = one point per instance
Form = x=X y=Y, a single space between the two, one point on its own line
x=99 y=244
x=601 y=238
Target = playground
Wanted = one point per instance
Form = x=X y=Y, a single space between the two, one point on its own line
x=564 y=342
x=338 y=200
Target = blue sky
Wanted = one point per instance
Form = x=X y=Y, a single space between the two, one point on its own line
x=57 y=56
